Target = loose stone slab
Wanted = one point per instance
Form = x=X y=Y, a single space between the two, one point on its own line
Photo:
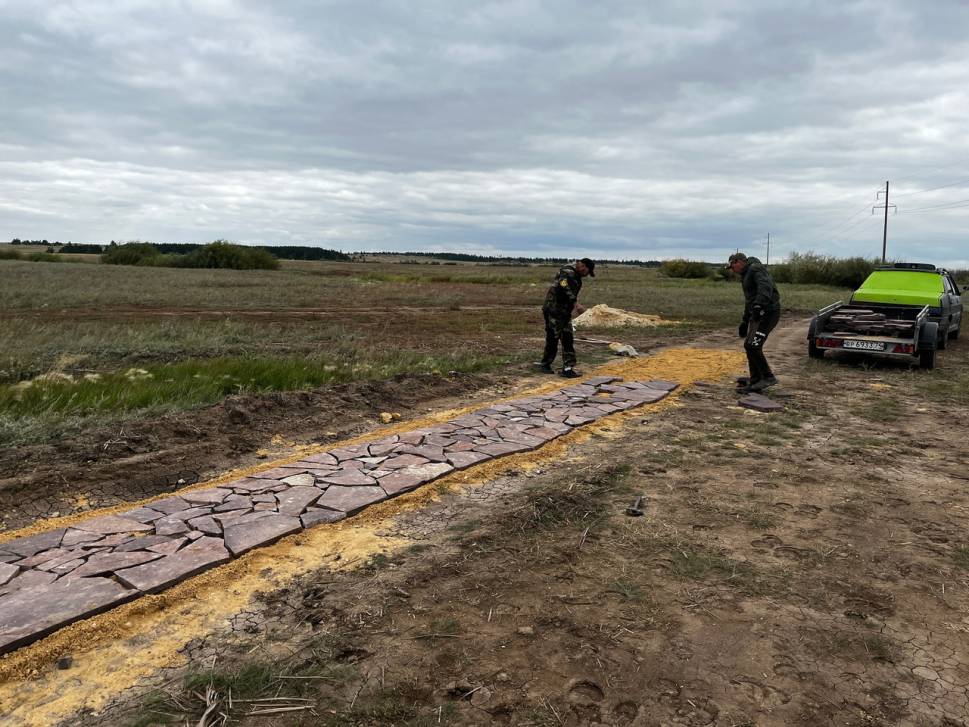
x=463 y=460
x=164 y=572
x=170 y=525
x=143 y=514
x=497 y=449
x=109 y=562
x=317 y=515
x=213 y=496
x=76 y=537
x=7 y=572
x=28 y=579
x=266 y=530
x=351 y=499
x=294 y=501
x=30 y=613
x=33 y=544
x=205 y=524
x=427 y=451
x=301 y=480
x=409 y=478
x=323 y=458
x=759 y=402
x=142 y=543
x=403 y=460
x=349 y=477
x=662 y=385
x=169 y=505
x=383 y=447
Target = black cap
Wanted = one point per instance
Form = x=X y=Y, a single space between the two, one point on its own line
x=589 y=264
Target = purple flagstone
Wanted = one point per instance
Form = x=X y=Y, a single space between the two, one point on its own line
x=403 y=460
x=415 y=437
x=214 y=496
x=242 y=537
x=29 y=579
x=109 y=562
x=410 y=477
x=295 y=500
x=544 y=433
x=439 y=440
x=575 y=420
x=170 y=525
x=351 y=452
x=761 y=403
x=170 y=546
x=65 y=568
x=76 y=537
x=302 y=480
x=662 y=385
x=317 y=515
x=349 y=477
x=427 y=451
x=322 y=458
x=44 y=556
x=191 y=513
x=460 y=447
x=234 y=502
x=31 y=613
x=206 y=524
x=351 y=464
x=224 y=518
x=351 y=499
x=599 y=380
x=265 y=506
x=266 y=497
x=7 y=572
x=497 y=449
x=142 y=543
x=33 y=544
x=164 y=572
x=9 y=558
x=54 y=564
x=169 y=505
x=254 y=486
x=463 y=460
x=383 y=447
x=143 y=514
x=276 y=473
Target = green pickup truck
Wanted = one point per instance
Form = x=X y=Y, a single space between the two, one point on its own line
x=905 y=309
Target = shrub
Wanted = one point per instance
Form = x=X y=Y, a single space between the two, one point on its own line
x=9 y=254
x=223 y=254
x=132 y=253
x=684 y=269
x=813 y=269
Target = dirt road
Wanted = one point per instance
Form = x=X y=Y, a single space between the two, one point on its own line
x=803 y=568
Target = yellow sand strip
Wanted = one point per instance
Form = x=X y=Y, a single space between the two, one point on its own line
x=118 y=649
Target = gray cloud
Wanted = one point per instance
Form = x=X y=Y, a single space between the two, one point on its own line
x=520 y=127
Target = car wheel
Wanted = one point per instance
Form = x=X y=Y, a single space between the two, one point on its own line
x=953 y=335
x=927 y=359
x=814 y=351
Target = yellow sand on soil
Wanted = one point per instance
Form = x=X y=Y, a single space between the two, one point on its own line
x=602 y=316
x=118 y=649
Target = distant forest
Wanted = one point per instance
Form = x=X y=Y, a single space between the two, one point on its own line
x=298 y=252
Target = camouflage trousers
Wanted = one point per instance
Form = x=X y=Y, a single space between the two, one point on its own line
x=558 y=327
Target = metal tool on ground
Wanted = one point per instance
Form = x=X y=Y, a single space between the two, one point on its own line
x=636 y=510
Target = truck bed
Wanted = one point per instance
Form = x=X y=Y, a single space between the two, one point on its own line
x=889 y=321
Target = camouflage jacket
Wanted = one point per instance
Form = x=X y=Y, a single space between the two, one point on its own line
x=759 y=289
x=564 y=292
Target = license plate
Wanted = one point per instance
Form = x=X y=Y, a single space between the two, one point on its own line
x=865 y=345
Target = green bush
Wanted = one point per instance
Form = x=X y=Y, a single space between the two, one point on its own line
x=813 y=269
x=218 y=254
x=132 y=253
x=223 y=254
x=684 y=269
x=9 y=255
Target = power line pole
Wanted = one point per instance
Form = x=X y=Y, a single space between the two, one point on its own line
x=768 y=249
x=885 y=229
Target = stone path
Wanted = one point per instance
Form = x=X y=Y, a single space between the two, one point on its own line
x=54 y=578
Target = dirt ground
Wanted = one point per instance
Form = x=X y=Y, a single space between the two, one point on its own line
x=803 y=568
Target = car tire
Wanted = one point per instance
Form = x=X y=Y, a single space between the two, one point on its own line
x=943 y=341
x=927 y=359
x=953 y=335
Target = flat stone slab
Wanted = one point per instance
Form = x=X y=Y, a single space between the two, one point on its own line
x=463 y=460
x=349 y=477
x=759 y=402
x=7 y=572
x=31 y=613
x=213 y=496
x=409 y=478
x=165 y=572
x=295 y=500
x=246 y=536
x=33 y=544
x=319 y=515
x=351 y=500
x=104 y=563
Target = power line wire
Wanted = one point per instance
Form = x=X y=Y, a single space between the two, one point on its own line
x=932 y=189
x=947 y=205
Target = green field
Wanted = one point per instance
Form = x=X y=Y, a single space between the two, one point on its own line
x=202 y=334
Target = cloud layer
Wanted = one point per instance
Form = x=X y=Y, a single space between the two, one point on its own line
x=516 y=127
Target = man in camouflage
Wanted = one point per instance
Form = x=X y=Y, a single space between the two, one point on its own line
x=561 y=302
x=762 y=311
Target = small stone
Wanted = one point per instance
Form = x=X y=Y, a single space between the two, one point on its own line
x=386 y=417
x=526 y=630
x=65 y=662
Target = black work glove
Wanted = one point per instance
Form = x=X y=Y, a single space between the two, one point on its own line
x=757 y=313
x=742 y=329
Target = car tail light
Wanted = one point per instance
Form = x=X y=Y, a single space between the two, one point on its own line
x=904 y=348
x=828 y=343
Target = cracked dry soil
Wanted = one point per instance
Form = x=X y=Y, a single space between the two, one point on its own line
x=804 y=568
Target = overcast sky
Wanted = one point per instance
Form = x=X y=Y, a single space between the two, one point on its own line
x=613 y=129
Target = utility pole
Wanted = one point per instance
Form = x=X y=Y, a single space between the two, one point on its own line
x=768 y=249
x=885 y=229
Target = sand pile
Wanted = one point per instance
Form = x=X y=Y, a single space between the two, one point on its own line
x=602 y=316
